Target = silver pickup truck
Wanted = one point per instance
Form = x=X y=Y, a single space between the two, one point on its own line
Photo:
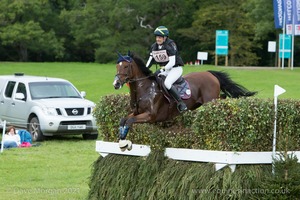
x=46 y=106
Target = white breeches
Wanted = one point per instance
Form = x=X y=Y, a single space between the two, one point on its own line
x=172 y=76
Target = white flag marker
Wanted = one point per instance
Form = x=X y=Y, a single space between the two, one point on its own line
x=277 y=91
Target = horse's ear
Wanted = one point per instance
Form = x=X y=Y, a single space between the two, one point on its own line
x=119 y=54
x=129 y=53
x=120 y=57
x=124 y=58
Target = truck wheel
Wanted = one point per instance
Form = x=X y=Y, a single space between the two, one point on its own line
x=35 y=130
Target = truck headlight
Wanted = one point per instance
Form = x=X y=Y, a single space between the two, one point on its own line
x=49 y=111
x=90 y=110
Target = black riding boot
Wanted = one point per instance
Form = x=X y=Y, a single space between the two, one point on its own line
x=180 y=104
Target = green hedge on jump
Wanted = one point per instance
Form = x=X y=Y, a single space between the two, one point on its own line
x=229 y=125
x=245 y=124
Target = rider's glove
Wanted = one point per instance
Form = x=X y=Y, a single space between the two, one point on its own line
x=158 y=72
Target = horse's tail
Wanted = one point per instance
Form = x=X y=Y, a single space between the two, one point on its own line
x=229 y=87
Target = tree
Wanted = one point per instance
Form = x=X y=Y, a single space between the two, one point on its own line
x=93 y=30
x=107 y=26
x=225 y=15
x=21 y=27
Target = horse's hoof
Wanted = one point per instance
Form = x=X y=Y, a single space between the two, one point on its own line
x=129 y=145
x=123 y=148
x=122 y=143
x=125 y=144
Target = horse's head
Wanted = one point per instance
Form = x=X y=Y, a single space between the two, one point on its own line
x=124 y=71
x=130 y=68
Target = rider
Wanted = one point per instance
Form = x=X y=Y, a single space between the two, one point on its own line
x=164 y=52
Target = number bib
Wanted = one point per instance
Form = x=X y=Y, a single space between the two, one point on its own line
x=160 y=56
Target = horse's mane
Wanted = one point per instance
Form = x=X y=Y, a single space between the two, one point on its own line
x=141 y=64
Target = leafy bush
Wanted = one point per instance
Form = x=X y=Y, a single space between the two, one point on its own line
x=231 y=125
x=108 y=112
x=236 y=125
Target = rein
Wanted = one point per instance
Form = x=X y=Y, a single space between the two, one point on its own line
x=139 y=79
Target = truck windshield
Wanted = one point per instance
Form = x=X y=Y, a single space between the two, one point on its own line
x=51 y=89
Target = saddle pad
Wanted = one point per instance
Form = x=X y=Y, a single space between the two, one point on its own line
x=184 y=90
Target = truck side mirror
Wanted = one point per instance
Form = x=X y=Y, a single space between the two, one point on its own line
x=20 y=96
x=83 y=94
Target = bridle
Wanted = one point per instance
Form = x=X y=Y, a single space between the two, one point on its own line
x=128 y=74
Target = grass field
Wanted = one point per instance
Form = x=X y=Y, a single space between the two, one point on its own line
x=96 y=79
x=60 y=167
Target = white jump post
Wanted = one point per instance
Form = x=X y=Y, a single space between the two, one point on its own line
x=277 y=91
x=3 y=123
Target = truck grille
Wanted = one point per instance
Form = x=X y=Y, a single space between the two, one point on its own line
x=74 y=111
x=75 y=122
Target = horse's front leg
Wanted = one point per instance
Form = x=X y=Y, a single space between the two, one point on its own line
x=125 y=125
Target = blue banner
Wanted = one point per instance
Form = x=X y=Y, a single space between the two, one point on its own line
x=278 y=13
x=288 y=10
x=297 y=16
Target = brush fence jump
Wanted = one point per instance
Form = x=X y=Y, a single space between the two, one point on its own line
x=219 y=158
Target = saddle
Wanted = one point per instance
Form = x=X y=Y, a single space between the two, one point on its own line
x=180 y=84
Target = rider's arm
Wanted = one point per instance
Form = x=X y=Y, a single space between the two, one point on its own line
x=171 y=63
x=149 y=63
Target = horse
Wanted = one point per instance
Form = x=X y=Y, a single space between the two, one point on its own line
x=150 y=103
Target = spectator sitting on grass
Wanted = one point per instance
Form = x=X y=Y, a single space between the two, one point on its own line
x=11 y=138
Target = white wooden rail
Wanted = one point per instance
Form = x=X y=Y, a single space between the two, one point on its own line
x=219 y=158
x=105 y=148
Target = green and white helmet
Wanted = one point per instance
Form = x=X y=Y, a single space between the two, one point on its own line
x=161 y=31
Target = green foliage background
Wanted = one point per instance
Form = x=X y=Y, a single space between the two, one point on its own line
x=93 y=30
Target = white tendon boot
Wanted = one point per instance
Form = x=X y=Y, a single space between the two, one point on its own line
x=125 y=144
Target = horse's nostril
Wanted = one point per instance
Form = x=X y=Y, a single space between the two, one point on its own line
x=117 y=85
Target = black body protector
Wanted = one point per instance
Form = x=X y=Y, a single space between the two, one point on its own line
x=161 y=53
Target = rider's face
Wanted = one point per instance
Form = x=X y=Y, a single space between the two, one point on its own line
x=159 y=39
